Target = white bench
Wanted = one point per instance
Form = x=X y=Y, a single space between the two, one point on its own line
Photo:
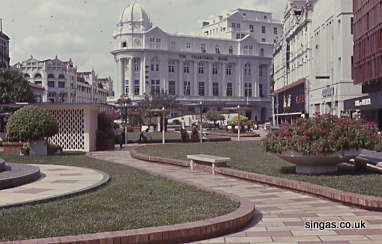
x=203 y=159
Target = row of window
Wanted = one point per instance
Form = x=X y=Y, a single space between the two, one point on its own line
x=203 y=47
x=237 y=26
x=155 y=88
x=50 y=76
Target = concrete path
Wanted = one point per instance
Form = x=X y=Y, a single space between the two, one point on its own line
x=281 y=213
x=57 y=181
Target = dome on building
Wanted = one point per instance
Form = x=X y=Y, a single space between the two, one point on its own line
x=134 y=13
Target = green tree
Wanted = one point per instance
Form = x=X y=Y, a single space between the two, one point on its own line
x=214 y=116
x=14 y=88
x=31 y=123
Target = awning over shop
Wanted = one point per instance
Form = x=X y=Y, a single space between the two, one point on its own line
x=368 y=102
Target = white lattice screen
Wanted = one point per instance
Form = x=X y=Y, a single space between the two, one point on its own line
x=71 y=126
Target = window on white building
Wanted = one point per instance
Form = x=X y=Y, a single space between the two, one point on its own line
x=238 y=35
x=229 y=69
x=50 y=76
x=233 y=25
x=157 y=43
x=152 y=42
x=203 y=48
x=229 y=89
x=247 y=69
x=230 y=50
x=201 y=88
x=201 y=68
x=51 y=84
x=61 y=84
x=275 y=31
x=251 y=28
x=124 y=44
x=263 y=40
x=171 y=67
x=188 y=45
x=261 y=91
x=155 y=87
x=262 y=52
x=248 y=89
x=263 y=29
x=215 y=69
x=154 y=64
x=126 y=87
x=238 y=26
x=172 y=44
x=215 y=89
x=38 y=75
x=136 y=64
x=187 y=88
x=171 y=87
x=186 y=68
x=136 y=87
x=217 y=49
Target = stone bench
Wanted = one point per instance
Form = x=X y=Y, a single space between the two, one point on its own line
x=204 y=161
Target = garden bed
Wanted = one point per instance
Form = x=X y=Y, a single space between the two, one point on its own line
x=131 y=200
x=249 y=156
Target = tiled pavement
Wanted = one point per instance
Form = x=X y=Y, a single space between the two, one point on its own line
x=57 y=181
x=281 y=213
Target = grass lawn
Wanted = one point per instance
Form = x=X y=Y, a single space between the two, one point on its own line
x=230 y=132
x=132 y=199
x=249 y=156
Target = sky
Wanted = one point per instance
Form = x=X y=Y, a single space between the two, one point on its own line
x=82 y=29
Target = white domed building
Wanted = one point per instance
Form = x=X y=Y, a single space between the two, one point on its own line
x=227 y=65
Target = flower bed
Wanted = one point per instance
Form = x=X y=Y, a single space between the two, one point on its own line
x=322 y=134
x=12 y=146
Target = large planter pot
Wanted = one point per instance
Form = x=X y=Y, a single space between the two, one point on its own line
x=318 y=164
x=38 y=148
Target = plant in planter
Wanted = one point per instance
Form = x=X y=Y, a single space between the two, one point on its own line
x=319 y=144
x=33 y=125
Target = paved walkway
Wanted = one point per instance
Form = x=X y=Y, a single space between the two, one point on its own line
x=281 y=213
x=57 y=181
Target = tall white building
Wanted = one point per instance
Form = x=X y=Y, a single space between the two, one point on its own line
x=61 y=81
x=312 y=61
x=216 y=68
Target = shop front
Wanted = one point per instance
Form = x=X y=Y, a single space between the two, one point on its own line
x=290 y=102
x=368 y=108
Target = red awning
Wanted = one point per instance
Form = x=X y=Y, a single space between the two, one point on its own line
x=299 y=82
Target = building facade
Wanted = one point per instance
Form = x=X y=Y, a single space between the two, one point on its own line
x=216 y=68
x=367 y=68
x=313 y=61
x=4 y=48
x=62 y=82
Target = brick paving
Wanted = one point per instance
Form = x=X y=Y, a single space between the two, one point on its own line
x=281 y=214
x=58 y=181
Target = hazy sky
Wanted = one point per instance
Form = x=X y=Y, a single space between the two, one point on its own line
x=82 y=29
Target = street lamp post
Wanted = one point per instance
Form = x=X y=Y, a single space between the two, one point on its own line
x=201 y=122
x=126 y=118
x=163 y=120
x=238 y=122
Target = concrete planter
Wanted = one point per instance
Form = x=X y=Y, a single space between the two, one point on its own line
x=318 y=164
x=38 y=148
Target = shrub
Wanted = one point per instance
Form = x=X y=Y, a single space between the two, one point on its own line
x=31 y=123
x=322 y=134
x=234 y=120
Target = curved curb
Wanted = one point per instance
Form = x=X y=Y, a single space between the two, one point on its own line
x=233 y=135
x=105 y=178
x=222 y=139
x=359 y=200
x=23 y=174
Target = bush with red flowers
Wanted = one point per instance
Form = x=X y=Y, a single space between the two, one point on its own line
x=322 y=134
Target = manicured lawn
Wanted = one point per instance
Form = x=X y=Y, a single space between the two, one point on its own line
x=249 y=156
x=132 y=199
